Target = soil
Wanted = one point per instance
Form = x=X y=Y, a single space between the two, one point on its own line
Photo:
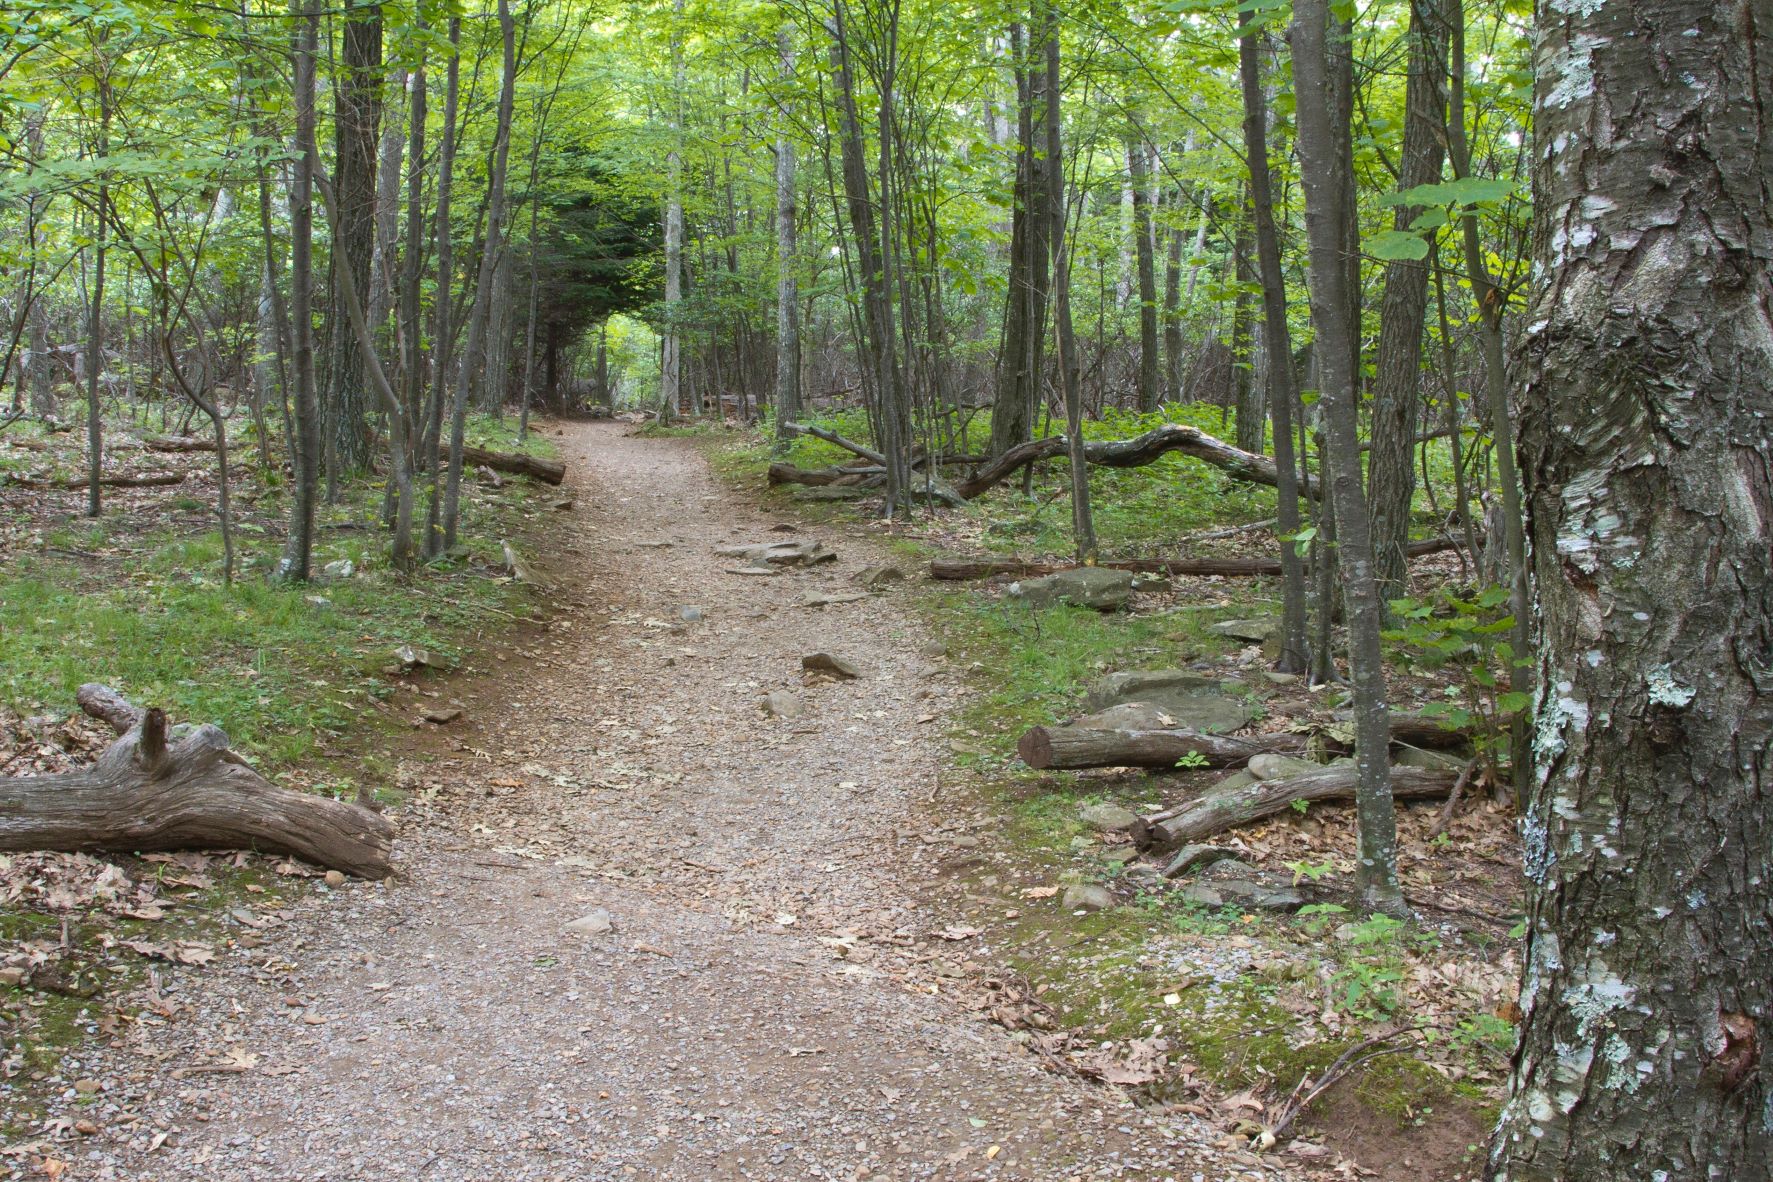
x=642 y=929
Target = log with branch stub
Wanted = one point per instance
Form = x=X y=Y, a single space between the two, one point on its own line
x=1218 y=810
x=957 y=569
x=161 y=789
x=782 y=472
x=1132 y=453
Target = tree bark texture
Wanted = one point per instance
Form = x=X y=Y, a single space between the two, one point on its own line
x=1139 y=173
x=787 y=259
x=1213 y=812
x=307 y=447
x=1647 y=982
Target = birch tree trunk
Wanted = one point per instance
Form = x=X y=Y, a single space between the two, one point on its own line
x=1648 y=389
x=306 y=415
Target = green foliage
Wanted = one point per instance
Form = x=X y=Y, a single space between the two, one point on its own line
x=1468 y=635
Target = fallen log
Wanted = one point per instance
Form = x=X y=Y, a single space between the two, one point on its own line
x=785 y=473
x=155 y=790
x=1131 y=453
x=179 y=443
x=515 y=464
x=1218 y=810
x=142 y=480
x=1066 y=747
x=955 y=569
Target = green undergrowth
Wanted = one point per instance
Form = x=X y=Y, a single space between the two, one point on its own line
x=136 y=600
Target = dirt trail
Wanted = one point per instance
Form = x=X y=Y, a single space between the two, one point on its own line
x=758 y=1010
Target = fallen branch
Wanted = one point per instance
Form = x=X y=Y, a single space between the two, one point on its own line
x=1218 y=810
x=785 y=473
x=962 y=568
x=143 y=480
x=836 y=440
x=1132 y=453
x=515 y=464
x=153 y=790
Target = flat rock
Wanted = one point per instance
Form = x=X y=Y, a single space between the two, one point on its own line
x=826 y=663
x=876 y=577
x=822 y=599
x=1408 y=756
x=1084 y=586
x=1107 y=817
x=783 y=553
x=689 y=614
x=1186 y=701
x=1238 y=892
x=1195 y=857
x=1270 y=766
x=1087 y=897
x=781 y=704
x=1254 y=631
x=595 y=923
x=1141 y=685
x=444 y=715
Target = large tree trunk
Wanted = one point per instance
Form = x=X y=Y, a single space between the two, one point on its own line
x=1403 y=308
x=1328 y=216
x=1021 y=365
x=153 y=791
x=671 y=342
x=357 y=113
x=1648 y=972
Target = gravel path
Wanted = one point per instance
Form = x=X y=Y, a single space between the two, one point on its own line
x=770 y=1001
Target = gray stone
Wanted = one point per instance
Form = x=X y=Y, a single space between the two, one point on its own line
x=1238 y=779
x=1254 y=631
x=1258 y=896
x=1270 y=766
x=782 y=704
x=1167 y=698
x=1084 y=586
x=1196 y=857
x=826 y=663
x=1273 y=678
x=1087 y=897
x=1434 y=761
x=1107 y=817
x=1120 y=855
x=689 y=614
x=876 y=577
x=343 y=568
x=595 y=923
x=1141 y=685
x=1153 y=584
x=1201 y=893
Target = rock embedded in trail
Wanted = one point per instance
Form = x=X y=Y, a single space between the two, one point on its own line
x=594 y=923
x=1107 y=817
x=1274 y=766
x=1087 y=897
x=876 y=577
x=781 y=704
x=1251 y=631
x=1197 y=857
x=826 y=663
x=783 y=553
x=1085 y=586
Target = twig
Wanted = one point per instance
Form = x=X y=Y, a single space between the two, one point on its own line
x=1345 y=1063
x=1453 y=797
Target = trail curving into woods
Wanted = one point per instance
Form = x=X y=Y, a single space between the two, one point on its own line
x=755 y=988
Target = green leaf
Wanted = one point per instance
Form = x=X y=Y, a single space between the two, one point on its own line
x=1397 y=245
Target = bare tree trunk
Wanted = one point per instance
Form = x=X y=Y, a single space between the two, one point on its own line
x=787 y=260
x=442 y=346
x=299 y=548
x=385 y=254
x=412 y=331
x=1172 y=312
x=1083 y=526
x=1403 y=308
x=1283 y=393
x=1327 y=215
x=1022 y=363
x=1647 y=978
x=95 y=323
x=671 y=361
x=1139 y=174
x=485 y=285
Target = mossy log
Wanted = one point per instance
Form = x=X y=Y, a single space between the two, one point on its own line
x=154 y=789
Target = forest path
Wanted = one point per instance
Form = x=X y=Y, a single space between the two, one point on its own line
x=449 y=1026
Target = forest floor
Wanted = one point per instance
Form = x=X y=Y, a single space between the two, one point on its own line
x=643 y=929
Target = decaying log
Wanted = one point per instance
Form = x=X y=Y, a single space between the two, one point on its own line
x=157 y=789
x=785 y=473
x=141 y=480
x=1063 y=748
x=515 y=464
x=1216 y=811
x=1060 y=747
x=1132 y=453
x=955 y=569
x=179 y=443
